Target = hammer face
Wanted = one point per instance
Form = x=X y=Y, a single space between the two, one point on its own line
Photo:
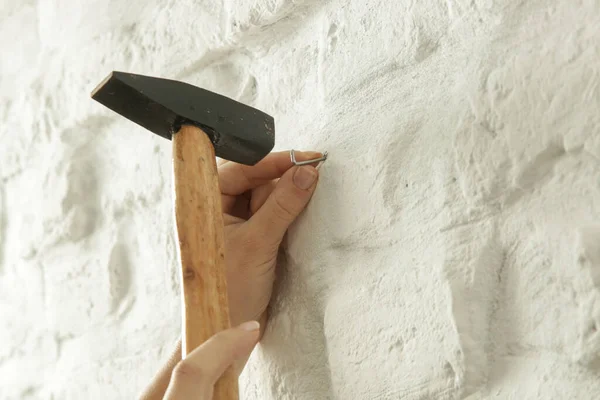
x=239 y=132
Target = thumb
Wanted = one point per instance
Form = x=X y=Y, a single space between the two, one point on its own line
x=290 y=196
x=195 y=376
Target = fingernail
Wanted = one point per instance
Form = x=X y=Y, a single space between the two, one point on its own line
x=250 y=326
x=304 y=177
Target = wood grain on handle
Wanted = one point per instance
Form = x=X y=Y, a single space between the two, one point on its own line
x=199 y=221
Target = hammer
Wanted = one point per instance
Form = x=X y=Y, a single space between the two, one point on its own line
x=201 y=125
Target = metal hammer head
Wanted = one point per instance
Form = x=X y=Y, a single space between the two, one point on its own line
x=239 y=133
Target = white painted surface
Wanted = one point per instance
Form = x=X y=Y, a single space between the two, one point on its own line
x=452 y=248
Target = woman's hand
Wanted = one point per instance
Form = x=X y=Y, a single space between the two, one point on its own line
x=259 y=204
x=194 y=378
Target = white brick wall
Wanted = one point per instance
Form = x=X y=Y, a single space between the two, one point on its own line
x=452 y=247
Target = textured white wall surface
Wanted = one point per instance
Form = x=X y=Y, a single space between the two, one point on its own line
x=451 y=251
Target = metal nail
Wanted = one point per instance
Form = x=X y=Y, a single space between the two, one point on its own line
x=293 y=158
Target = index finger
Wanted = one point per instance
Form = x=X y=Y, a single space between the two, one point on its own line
x=235 y=178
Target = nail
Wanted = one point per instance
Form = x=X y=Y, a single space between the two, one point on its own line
x=308 y=157
x=304 y=177
x=250 y=326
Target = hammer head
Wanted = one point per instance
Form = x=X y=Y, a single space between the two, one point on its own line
x=239 y=133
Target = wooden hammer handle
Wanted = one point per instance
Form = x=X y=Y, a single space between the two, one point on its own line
x=199 y=220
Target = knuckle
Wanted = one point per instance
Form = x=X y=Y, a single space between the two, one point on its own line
x=284 y=208
x=256 y=248
x=251 y=243
x=188 y=372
